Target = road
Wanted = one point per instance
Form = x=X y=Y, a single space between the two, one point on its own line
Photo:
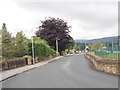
x=73 y=71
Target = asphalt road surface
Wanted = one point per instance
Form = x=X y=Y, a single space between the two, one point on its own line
x=71 y=71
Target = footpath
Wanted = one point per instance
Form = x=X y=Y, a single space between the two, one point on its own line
x=10 y=73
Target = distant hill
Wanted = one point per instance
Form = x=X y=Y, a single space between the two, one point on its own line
x=104 y=40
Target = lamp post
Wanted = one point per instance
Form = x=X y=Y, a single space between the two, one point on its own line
x=33 y=53
x=33 y=61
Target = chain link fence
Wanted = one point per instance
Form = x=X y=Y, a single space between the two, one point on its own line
x=108 y=52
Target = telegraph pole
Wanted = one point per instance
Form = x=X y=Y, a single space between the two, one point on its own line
x=112 y=46
x=57 y=47
x=85 y=45
x=56 y=44
x=118 y=42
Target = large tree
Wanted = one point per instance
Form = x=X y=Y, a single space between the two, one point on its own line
x=97 y=46
x=55 y=28
x=80 y=45
x=6 y=42
x=20 y=44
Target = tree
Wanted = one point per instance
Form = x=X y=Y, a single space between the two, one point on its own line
x=20 y=45
x=55 y=29
x=108 y=44
x=77 y=48
x=81 y=45
x=96 y=46
x=6 y=42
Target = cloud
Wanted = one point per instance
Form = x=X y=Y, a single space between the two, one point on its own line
x=88 y=19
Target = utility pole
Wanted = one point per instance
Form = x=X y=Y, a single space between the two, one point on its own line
x=112 y=46
x=56 y=44
x=85 y=45
x=118 y=42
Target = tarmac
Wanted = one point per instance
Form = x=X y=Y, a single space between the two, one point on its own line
x=13 y=72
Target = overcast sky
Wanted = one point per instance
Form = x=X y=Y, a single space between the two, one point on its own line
x=89 y=19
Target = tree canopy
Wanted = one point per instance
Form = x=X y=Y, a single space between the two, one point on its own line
x=96 y=46
x=80 y=45
x=6 y=42
x=52 y=29
x=20 y=44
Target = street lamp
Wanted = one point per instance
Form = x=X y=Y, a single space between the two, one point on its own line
x=33 y=61
x=33 y=54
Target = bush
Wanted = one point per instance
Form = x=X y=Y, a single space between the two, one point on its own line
x=64 y=52
x=53 y=52
x=41 y=48
x=71 y=51
x=27 y=56
x=57 y=53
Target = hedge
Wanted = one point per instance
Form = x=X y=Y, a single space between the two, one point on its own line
x=41 y=48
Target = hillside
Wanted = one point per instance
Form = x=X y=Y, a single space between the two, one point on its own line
x=104 y=40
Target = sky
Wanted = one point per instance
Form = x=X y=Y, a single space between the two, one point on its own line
x=89 y=19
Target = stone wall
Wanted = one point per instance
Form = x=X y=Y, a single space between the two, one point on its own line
x=19 y=62
x=105 y=65
x=13 y=63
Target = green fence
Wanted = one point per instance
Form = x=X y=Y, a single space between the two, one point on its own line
x=108 y=53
